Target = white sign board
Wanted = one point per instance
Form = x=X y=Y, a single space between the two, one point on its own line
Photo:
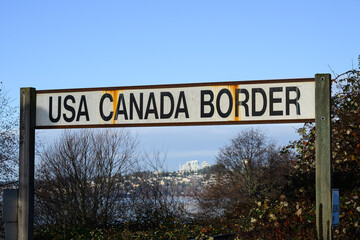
x=271 y=101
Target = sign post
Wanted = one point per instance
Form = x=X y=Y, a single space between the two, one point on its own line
x=26 y=163
x=323 y=155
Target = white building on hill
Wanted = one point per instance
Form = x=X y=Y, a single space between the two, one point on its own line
x=205 y=164
x=193 y=166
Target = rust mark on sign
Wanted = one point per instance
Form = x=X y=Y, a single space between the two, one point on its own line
x=115 y=95
x=232 y=89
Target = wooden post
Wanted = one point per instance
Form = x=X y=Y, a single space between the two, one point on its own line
x=323 y=155
x=26 y=163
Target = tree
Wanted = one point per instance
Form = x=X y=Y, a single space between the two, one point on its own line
x=79 y=180
x=248 y=168
x=8 y=139
x=154 y=202
x=8 y=145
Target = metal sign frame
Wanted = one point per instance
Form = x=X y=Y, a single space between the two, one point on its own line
x=323 y=145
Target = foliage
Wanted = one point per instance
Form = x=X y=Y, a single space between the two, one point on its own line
x=173 y=229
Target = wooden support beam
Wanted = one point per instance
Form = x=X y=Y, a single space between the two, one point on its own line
x=26 y=163
x=323 y=155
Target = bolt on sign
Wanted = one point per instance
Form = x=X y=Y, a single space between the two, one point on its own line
x=245 y=102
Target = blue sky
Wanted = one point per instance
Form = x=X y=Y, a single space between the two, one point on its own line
x=80 y=44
